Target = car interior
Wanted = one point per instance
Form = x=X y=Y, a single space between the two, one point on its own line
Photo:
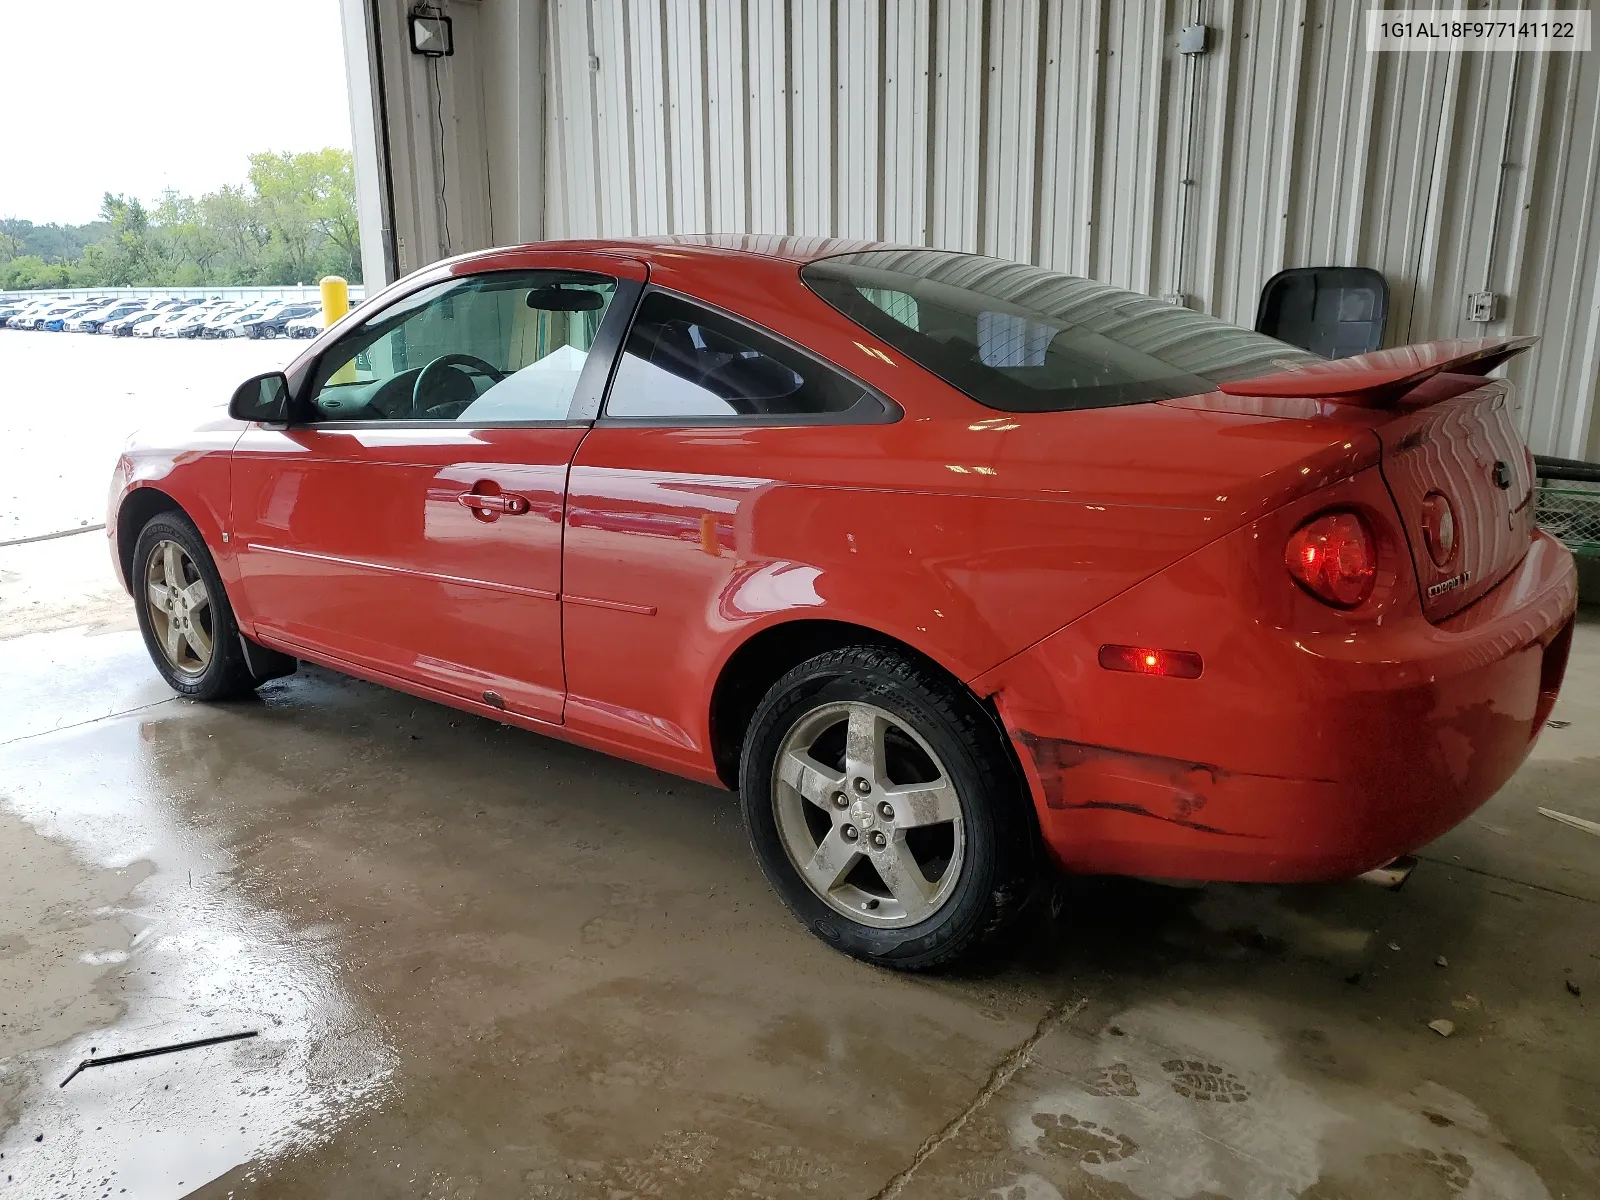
x=490 y=349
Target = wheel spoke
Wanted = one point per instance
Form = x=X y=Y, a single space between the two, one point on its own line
x=171 y=566
x=197 y=596
x=832 y=862
x=863 y=745
x=810 y=778
x=198 y=641
x=904 y=879
x=174 y=641
x=160 y=598
x=924 y=803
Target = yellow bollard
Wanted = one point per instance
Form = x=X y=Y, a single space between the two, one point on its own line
x=335 y=299
x=335 y=303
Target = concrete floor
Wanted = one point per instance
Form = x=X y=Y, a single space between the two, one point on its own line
x=484 y=964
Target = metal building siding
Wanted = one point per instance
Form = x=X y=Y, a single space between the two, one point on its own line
x=1072 y=133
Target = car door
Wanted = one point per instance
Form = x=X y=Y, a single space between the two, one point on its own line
x=408 y=522
x=704 y=418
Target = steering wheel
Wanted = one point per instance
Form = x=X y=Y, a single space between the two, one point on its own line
x=429 y=376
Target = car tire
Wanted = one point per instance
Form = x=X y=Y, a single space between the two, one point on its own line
x=866 y=765
x=169 y=550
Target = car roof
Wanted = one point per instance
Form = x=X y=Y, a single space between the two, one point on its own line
x=708 y=246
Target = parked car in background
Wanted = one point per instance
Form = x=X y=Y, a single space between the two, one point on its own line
x=275 y=325
x=55 y=315
x=231 y=325
x=218 y=316
x=124 y=326
x=25 y=313
x=91 y=321
x=307 y=326
x=797 y=523
x=187 y=322
x=164 y=320
x=58 y=322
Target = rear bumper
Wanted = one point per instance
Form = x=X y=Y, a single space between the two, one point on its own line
x=1296 y=756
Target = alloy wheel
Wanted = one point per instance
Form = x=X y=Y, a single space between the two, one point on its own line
x=179 y=607
x=868 y=814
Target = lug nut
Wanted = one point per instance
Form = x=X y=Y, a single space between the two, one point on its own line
x=849 y=833
x=863 y=786
x=879 y=840
x=840 y=800
x=886 y=811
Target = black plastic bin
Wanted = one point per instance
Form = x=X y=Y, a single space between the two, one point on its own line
x=1331 y=311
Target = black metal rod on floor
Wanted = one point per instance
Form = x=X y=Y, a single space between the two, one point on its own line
x=173 y=1049
x=50 y=537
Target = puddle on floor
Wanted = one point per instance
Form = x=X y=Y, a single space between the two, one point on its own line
x=124 y=928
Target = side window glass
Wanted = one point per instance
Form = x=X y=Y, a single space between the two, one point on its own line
x=506 y=346
x=681 y=360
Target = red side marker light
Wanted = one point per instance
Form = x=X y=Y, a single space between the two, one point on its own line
x=1148 y=660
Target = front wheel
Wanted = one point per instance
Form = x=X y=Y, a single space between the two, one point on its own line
x=884 y=809
x=184 y=613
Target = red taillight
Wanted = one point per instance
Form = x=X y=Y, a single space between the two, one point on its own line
x=1147 y=660
x=1334 y=558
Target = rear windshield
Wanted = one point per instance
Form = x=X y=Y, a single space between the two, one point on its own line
x=1024 y=339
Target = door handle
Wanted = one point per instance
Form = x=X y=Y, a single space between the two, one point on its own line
x=478 y=502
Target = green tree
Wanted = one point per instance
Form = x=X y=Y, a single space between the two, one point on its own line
x=291 y=222
x=286 y=188
x=13 y=240
x=191 y=247
x=130 y=254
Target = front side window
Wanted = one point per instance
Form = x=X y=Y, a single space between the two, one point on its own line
x=684 y=361
x=499 y=347
x=1026 y=339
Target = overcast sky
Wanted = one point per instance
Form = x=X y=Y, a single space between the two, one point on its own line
x=104 y=95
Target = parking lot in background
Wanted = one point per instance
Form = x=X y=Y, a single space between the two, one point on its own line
x=71 y=399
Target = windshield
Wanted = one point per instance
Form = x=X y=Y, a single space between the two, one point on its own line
x=1026 y=339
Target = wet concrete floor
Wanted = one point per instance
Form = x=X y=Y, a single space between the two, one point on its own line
x=485 y=964
x=482 y=963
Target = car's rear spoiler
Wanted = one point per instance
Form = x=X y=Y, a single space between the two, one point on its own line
x=1379 y=379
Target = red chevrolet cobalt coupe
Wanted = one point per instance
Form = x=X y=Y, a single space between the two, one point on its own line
x=952 y=567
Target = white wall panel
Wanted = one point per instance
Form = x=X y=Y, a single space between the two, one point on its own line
x=960 y=92
x=726 y=88
x=687 y=127
x=768 y=151
x=904 y=182
x=1012 y=123
x=811 y=147
x=647 y=67
x=858 y=117
x=613 y=120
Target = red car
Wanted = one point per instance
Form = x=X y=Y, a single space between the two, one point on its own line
x=953 y=567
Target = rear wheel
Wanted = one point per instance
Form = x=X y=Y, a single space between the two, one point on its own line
x=184 y=614
x=884 y=810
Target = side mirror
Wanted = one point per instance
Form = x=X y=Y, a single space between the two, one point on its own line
x=264 y=398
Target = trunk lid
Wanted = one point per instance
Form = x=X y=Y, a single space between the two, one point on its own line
x=1457 y=469
x=1468 y=451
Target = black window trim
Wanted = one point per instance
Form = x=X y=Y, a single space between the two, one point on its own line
x=593 y=381
x=879 y=409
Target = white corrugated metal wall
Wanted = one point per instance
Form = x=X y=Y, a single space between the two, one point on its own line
x=1073 y=133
